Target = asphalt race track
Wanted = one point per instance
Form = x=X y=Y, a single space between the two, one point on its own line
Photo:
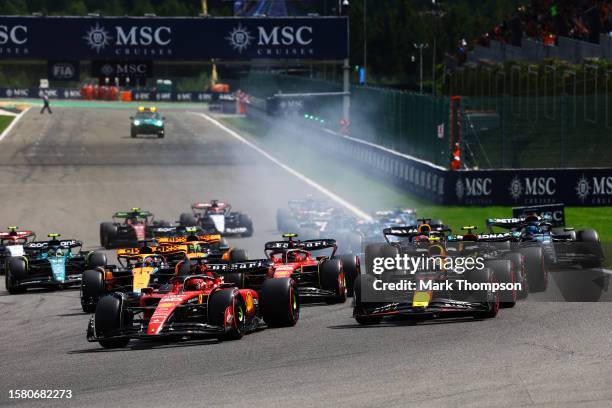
x=69 y=171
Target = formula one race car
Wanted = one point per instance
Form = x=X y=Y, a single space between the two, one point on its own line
x=307 y=217
x=138 y=268
x=329 y=278
x=545 y=247
x=128 y=228
x=427 y=291
x=147 y=122
x=215 y=246
x=11 y=244
x=50 y=264
x=218 y=217
x=193 y=306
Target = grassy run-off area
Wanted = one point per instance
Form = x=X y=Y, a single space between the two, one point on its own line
x=5 y=120
x=370 y=193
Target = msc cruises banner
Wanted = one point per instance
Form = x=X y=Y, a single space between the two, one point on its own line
x=96 y=38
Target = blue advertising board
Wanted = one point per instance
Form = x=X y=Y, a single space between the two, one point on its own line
x=177 y=38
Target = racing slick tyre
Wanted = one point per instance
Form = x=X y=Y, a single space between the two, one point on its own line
x=16 y=271
x=96 y=259
x=160 y=135
x=109 y=320
x=246 y=222
x=503 y=270
x=279 y=302
x=331 y=275
x=491 y=299
x=237 y=278
x=283 y=216
x=358 y=308
x=238 y=255
x=592 y=245
x=436 y=221
x=535 y=268
x=92 y=289
x=518 y=263
x=108 y=232
x=352 y=270
x=133 y=134
x=221 y=305
x=188 y=220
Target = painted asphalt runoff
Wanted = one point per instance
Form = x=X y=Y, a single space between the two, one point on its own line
x=68 y=171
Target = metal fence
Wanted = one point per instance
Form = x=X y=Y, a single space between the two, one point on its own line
x=399 y=120
x=536 y=116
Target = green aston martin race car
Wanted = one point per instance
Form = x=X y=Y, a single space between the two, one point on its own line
x=147 y=122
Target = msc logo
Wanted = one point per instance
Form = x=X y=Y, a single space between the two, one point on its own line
x=600 y=186
x=288 y=36
x=240 y=38
x=533 y=186
x=98 y=38
x=473 y=187
x=17 y=35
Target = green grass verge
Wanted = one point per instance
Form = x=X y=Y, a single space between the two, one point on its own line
x=5 y=120
x=369 y=193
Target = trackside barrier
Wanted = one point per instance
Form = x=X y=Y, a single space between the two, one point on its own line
x=150 y=96
x=572 y=186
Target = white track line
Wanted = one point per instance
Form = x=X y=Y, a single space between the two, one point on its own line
x=360 y=213
x=13 y=123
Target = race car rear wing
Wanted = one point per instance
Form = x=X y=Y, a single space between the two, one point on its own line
x=554 y=213
x=492 y=237
x=247 y=266
x=14 y=234
x=42 y=245
x=135 y=213
x=507 y=223
x=310 y=245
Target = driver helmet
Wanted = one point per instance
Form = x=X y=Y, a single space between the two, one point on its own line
x=295 y=256
x=195 y=284
x=532 y=229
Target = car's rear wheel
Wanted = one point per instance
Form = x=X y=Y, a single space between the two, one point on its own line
x=110 y=322
x=592 y=245
x=358 y=310
x=188 y=220
x=16 y=271
x=535 y=267
x=92 y=289
x=96 y=259
x=108 y=234
x=488 y=298
x=279 y=302
x=352 y=269
x=246 y=222
x=238 y=255
x=237 y=278
x=503 y=271
x=333 y=279
x=518 y=263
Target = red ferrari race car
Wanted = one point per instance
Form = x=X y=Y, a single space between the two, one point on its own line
x=11 y=244
x=128 y=228
x=330 y=277
x=192 y=306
